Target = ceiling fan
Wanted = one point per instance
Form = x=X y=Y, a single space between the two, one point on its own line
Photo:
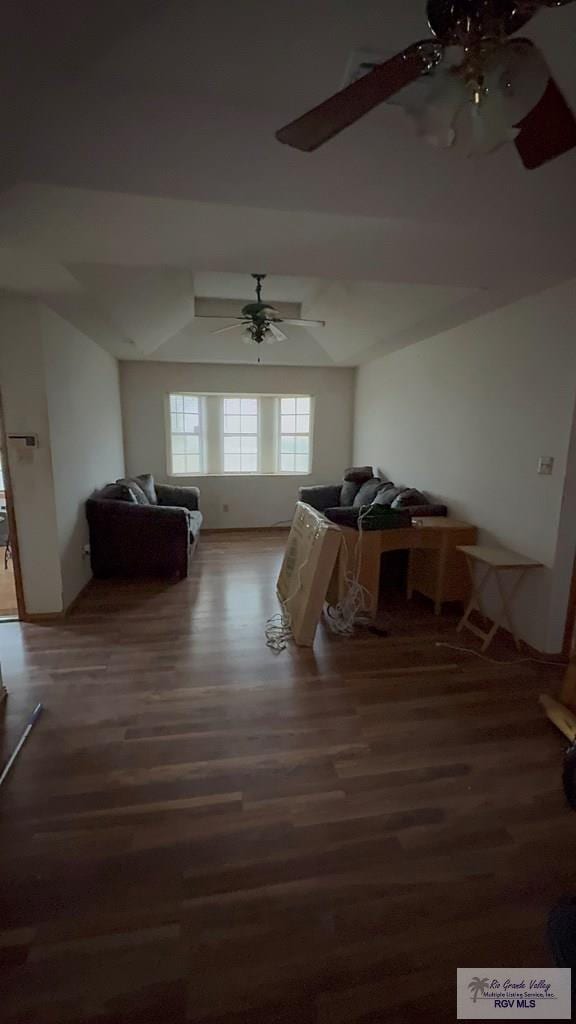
x=477 y=83
x=260 y=320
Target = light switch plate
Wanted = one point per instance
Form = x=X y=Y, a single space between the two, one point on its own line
x=545 y=465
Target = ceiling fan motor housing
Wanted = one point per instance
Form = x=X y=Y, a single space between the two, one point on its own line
x=467 y=21
x=259 y=311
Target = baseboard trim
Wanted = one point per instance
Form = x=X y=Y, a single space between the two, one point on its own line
x=45 y=618
x=244 y=529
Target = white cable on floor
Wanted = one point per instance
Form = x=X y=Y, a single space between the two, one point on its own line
x=278 y=629
x=497 y=661
x=350 y=612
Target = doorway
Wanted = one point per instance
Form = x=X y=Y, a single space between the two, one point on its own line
x=11 y=604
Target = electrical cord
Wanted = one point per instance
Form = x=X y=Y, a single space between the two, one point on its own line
x=278 y=630
x=343 y=618
x=497 y=661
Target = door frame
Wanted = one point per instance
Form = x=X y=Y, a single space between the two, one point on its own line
x=569 y=627
x=10 y=511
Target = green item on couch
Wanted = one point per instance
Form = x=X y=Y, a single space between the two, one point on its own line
x=379 y=517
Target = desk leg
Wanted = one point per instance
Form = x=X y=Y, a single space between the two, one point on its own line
x=409 y=585
x=441 y=576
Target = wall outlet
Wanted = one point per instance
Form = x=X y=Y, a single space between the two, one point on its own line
x=225 y=508
x=545 y=465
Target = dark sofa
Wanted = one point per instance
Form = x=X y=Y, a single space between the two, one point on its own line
x=342 y=502
x=140 y=528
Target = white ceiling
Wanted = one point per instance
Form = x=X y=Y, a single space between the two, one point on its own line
x=151 y=174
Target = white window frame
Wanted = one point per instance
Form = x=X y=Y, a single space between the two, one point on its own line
x=294 y=433
x=211 y=431
x=201 y=435
x=240 y=434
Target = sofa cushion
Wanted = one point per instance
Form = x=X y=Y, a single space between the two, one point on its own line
x=118 y=492
x=367 y=492
x=195 y=521
x=349 y=491
x=137 y=490
x=410 y=496
x=146 y=482
x=387 y=494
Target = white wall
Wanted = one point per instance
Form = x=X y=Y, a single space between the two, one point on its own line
x=83 y=394
x=26 y=411
x=466 y=415
x=253 y=500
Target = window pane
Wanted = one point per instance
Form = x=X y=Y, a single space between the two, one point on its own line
x=249 y=463
x=232 y=406
x=190 y=423
x=302 y=445
x=232 y=463
x=178 y=444
x=177 y=422
x=288 y=444
x=249 y=406
x=250 y=445
x=192 y=464
x=288 y=424
x=178 y=463
x=249 y=424
x=191 y=404
x=231 y=424
x=287 y=463
x=232 y=445
x=176 y=403
x=192 y=443
x=301 y=463
x=303 y=424
x=303 y=405
x=288 y=405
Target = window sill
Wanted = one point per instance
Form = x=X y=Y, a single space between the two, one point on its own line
x=228 y=476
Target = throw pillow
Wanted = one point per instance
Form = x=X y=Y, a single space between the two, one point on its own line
x=367 y=492
x=118 y=492
x=349 y=491
x=146 y=481
x=410 y=496
x=387 y=494
x=358 y=474
x=137 y=490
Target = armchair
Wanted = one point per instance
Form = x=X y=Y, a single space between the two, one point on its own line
x=139 y=528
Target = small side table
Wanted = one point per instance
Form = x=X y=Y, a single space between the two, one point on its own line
x=497 y=561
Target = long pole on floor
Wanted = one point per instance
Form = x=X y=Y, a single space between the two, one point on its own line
x=33 y=719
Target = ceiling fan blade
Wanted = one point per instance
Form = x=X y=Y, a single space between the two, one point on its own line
x=350 y=104
x=206 y=316
x=277 y=334
x=305 y=323
x=224 y=330
x=548 y=131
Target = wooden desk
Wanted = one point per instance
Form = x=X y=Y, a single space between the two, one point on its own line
x=436 y=568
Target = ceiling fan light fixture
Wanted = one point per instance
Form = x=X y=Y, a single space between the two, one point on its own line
x=474 y=100
x=520 y=92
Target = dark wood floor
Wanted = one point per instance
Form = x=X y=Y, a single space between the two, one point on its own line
x=201 y=831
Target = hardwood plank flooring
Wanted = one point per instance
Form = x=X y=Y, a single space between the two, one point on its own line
x=8 y=603
x=200 y=831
